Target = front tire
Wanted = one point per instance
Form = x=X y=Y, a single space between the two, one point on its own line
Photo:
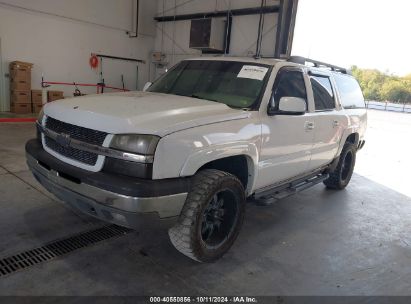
x=211 y=218
x=342 y=174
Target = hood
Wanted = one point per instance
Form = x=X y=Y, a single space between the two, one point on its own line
x=140 y=112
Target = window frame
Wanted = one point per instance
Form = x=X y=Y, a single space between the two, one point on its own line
x=272 y=111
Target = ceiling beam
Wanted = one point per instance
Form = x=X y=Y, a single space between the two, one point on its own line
x=235 y=12
x=285 y=29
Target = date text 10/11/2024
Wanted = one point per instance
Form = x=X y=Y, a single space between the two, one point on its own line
x=237 y=299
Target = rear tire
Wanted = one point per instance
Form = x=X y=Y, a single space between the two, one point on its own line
x=211 y=218
x=342 y=174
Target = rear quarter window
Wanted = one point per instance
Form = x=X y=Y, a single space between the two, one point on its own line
x=350 y=92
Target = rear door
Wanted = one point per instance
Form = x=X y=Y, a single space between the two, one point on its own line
x=327 y=120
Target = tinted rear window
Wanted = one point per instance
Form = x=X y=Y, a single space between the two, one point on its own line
x=350 y=92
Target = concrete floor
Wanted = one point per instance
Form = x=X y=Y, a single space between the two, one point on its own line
x=319 y=242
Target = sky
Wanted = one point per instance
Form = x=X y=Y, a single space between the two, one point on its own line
x=368 y=33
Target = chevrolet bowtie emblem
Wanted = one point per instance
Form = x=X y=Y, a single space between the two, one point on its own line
x=63 y=140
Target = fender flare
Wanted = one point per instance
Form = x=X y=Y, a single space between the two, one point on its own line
x=211 y=153
x=347 y=132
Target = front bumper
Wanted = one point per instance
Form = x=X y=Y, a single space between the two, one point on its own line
x=118 y=199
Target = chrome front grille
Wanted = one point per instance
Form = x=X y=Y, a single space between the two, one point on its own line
x=75 y=132
x=80 y=133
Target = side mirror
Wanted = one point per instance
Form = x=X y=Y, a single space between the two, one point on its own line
x=146 y=86
x=291 y=106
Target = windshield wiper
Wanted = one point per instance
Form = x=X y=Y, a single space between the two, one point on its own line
x=192 y=96
x=199 y=97
x=196 y=96
x=237 y=108
x=202 y=98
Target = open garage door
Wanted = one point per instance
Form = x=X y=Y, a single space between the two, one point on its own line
x=238 y=28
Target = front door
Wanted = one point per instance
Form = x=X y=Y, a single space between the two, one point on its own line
x=286 y=139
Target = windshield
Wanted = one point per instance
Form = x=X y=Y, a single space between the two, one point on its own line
x=236 y=84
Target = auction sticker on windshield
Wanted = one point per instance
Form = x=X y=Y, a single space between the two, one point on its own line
x=253 y=72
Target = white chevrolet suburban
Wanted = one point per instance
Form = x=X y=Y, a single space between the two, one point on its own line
x=209 y=135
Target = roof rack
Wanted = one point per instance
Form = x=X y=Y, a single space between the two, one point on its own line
x=318 y=64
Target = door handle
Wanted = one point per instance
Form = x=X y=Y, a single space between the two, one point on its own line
x=309 y=125
x=336 y=123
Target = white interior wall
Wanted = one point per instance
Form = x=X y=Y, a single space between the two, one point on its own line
x=44 y=32
x=115 y=14
x=243 y=34
x=59 y=36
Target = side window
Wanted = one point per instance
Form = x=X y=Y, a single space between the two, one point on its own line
x=323 y=93
x=289 y=83
x=350 y=91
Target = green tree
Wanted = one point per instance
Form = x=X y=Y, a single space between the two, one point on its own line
x=381 y=86
x=396 y=90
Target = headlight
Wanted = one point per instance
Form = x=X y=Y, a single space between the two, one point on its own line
x=139 y=144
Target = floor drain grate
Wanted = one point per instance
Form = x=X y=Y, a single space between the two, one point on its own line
x=58 y=248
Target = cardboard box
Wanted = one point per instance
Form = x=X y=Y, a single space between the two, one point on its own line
x=23 y=73
x=54 y=95
x=20 y=97
x=20 y=85
x=17 y=64
x=21 y=108
x=37 y=107
x=36 y=96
